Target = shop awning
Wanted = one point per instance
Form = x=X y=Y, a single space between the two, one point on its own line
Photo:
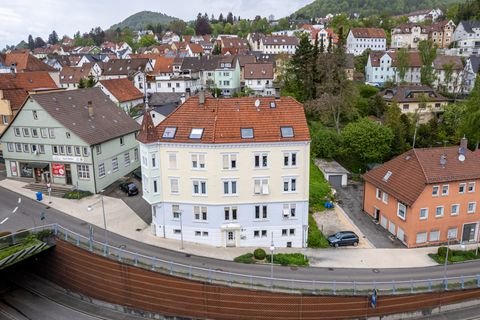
x=37 y=165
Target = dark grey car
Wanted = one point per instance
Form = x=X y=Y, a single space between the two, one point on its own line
x=343 y=238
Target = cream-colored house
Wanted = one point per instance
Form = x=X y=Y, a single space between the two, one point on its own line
x=229 y=172
x=419 y=100
x=408 y=35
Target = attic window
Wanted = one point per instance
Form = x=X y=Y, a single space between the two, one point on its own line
x=387 y=176
x=196 y=133
x=247 y=133
x=287 y=132
x=169 y=132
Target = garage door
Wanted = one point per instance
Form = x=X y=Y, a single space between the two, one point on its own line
x=391 y=227
x=401 y=234
x=383 y=221
x=335 y=181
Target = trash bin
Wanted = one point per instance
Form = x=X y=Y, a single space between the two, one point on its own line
x=39 y=196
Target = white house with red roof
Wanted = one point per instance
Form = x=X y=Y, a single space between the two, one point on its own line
x=229 y=172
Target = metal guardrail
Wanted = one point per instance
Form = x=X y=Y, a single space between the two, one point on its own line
x=261 y=282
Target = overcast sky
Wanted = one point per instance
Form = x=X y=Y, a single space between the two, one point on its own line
x=19 y=18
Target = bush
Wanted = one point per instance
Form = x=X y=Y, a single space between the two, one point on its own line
x=320 y=190
x=78 y=194
x=442 y=252
x=289 y=259
x=245 y=258
x=44 y=234
x=259 y=254
x=316 y=239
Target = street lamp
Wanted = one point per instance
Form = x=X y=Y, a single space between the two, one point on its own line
x=90 y=208
x=272 y=250
x=446 y=257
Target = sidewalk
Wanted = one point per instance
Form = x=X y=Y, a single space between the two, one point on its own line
x=124 y=221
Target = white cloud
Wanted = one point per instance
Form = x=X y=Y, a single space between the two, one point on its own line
x=40 y=17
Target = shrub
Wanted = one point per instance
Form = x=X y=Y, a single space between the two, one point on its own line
x=442 y=252
x=289 y=259
x=259 y=254
x=245 y=258
x=77 y=194
x=44 y=234
x=320 y=190
x=316 y=239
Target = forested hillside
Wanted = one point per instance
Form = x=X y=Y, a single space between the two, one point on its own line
x=321 y=8
x=140 y=20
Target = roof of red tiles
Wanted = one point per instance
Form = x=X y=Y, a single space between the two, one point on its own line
x=223 y=119
x=412 y=171
x=122 y=89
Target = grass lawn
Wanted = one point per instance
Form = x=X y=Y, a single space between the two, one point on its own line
x=26 y=243
x=284 y=259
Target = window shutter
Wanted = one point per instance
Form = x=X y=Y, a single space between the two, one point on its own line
x=225 y=161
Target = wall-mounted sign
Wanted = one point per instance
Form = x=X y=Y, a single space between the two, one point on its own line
x=68 y=159
x=58 y=169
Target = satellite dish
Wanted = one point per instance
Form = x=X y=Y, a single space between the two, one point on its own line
x=461 y=157
x=257 y=103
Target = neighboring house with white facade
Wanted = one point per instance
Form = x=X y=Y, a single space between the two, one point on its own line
x=135 y=69
x=467 y=37
x=382 y=67
x=472 y=67
x=422 y=101
x=278 y=44
x=361 y=39
x=259 y=78
x=408 y=35
x=423 y=15
x=229 y=172
x=449 y=73
x=74 y=138
x=122 y=92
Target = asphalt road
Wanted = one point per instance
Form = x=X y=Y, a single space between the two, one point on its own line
x=28 y=215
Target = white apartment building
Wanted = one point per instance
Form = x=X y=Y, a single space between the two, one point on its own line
x=361 y=39
x=278 y=44
x=382 y=66
x=467 y=37
x=408 y=36
x=229 y=172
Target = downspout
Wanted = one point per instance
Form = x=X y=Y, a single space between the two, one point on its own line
x=93 y=169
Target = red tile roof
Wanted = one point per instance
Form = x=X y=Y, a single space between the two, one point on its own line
x=412 y=171
x=26 y=62
x=74 y=74
x=122 y=89
x=258 y=71
x=368 y=33
x=223 y=119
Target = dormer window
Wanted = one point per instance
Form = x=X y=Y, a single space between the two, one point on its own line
x=287 y=132
x=246 y=133
x=196 y=133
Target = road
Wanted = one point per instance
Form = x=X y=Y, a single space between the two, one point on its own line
x=29 y=211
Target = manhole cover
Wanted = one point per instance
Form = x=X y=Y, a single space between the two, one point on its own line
x=122 y=246
x=375 y=270
x=138 y=229
x=330 y=269
x=294 y=268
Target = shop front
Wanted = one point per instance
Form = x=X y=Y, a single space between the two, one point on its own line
x=38 y=171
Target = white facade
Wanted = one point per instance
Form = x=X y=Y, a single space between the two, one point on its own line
x=262 y=87
x=385 y=71
x=182 y=84
x=434 y=14
x=408 y=37
x=357 y=46
x=228 y=194
x=467 y=37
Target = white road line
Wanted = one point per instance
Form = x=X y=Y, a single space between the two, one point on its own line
x=3 y=221
x=15 y=210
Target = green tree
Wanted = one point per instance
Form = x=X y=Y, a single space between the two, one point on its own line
x=428 y=53
x=31 y=43
x=81 y=83
x=325 y=141
x=448 y=71
x=471 y=122
x=403 y=63
x=367 y=140
x=53 y=37
x=177 y=26
x=146 y=41
x=394 y=122
x=90 y=82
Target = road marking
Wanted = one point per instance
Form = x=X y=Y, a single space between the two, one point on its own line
x=3 y=221
x=15 y=210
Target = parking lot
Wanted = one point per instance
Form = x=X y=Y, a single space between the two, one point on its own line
x=136 y=203
x=350 y=199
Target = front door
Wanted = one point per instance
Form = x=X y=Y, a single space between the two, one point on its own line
x=376 y=214
x=468 y=234
x=68 y=174
x=230 y=238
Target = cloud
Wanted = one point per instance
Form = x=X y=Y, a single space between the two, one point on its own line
x=40 y=17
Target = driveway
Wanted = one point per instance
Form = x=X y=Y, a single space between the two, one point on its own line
x=136 y=203
x=350 y=199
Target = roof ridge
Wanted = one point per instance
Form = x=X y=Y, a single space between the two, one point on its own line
x=420 y=164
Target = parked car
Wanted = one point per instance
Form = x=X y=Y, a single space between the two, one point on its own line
x=343 y=238
x=129 y=188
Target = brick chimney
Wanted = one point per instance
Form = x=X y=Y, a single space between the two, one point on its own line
x=90 y=109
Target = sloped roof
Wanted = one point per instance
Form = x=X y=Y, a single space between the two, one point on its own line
x=223 y=119
x=280 y=40
x=470 y=25
x=25 y=62
x=258 y=71
x=243 y=59
x=412 y=171
x=475 y=62
x=406 y=28
x=368 y=33
x=124 y=66
x=442 y=60
x=70 y=109
x=206 y=63
x=74 y=74
x=411 y=93
x=15 y=87
x=163 y=64
x=123 y=89
x=414 y=58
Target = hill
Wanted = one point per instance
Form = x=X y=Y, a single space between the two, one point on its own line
x=141 y=19
x=320 y=8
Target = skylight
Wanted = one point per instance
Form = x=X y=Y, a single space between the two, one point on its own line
x=196 y=133
x=387 y=176
x=169 y=132
x=287 y=132
x=247 y=133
